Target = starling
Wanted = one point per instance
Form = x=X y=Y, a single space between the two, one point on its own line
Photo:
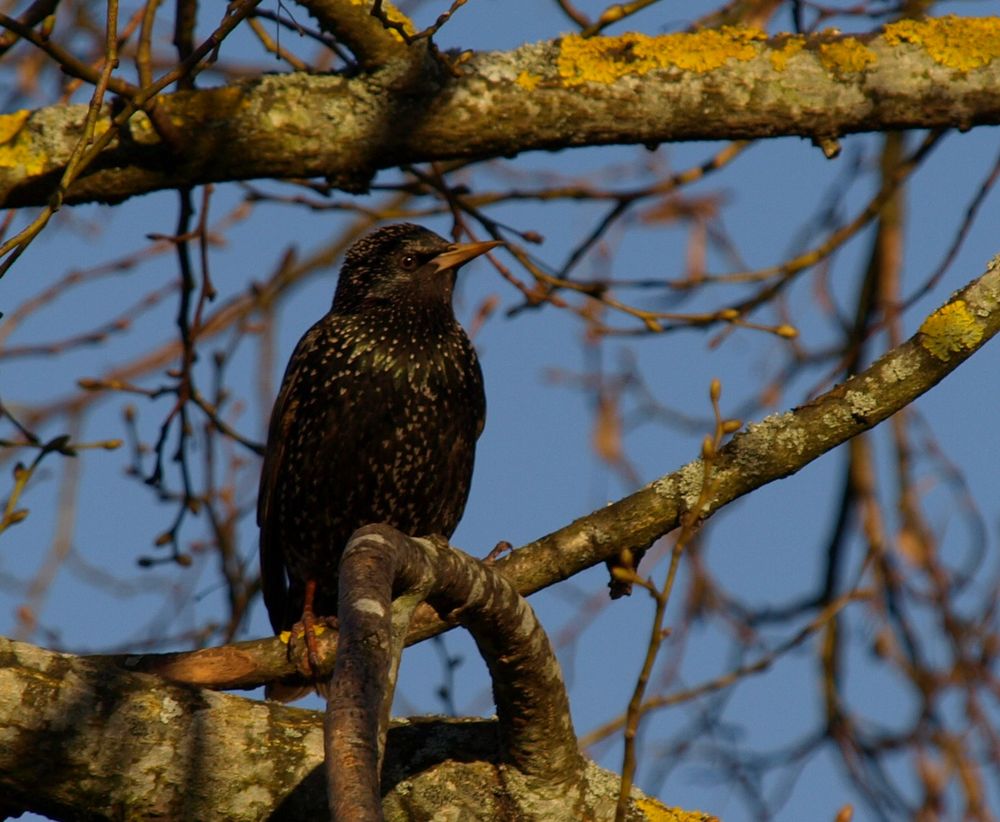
x=376 y=421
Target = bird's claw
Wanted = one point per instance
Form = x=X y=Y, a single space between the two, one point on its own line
x=307 y=629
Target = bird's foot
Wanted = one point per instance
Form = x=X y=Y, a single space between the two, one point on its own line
x=306 y=630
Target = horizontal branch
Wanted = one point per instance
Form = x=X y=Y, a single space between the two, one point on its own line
x=80 y=717
x=84 y=739
x=630 y=89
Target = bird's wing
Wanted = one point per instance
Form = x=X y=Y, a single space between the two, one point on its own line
x=273 y=578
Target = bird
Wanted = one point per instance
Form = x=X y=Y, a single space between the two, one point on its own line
x=376 y=421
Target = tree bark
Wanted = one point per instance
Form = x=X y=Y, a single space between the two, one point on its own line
x=81 y=739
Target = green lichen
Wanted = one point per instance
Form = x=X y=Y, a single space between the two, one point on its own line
x=961 y=43
x=608 y=59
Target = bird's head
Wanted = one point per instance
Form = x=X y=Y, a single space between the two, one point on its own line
x=402 y=264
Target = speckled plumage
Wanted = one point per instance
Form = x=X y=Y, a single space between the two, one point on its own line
x=376 y=420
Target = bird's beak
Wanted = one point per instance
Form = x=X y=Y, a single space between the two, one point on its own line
x=460 y=253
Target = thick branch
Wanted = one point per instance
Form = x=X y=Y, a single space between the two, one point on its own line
x=86 y=740
x=360 y=693
x=629 y=89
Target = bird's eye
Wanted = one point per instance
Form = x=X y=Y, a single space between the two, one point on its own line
x=409 y=262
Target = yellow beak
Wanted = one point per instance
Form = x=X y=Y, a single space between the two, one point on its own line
x=461 y=253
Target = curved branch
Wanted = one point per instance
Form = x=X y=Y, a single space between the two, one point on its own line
x=537 y=740
x=78 y=716
x=630 y=89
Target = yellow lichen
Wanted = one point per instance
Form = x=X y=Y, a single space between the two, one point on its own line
x=655 y=811
x=140 y=127
x=607 y=59
x=16 y=150
x=393 y=15
x=847 y=56
x=786 y=50
x=11 y=124
x=962 y=43
x=286 y=636
x=528 y=80
x=951 y=329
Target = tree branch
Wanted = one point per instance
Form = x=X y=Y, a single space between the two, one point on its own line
x=774 y=448
x=630 y=89
x=373 y=44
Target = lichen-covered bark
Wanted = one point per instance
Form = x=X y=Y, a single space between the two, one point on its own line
x=720 y=84
x=372 y=44
x=81 y=739
x=86 y=739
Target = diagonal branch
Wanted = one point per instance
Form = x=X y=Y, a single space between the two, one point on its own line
x=776 y=447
